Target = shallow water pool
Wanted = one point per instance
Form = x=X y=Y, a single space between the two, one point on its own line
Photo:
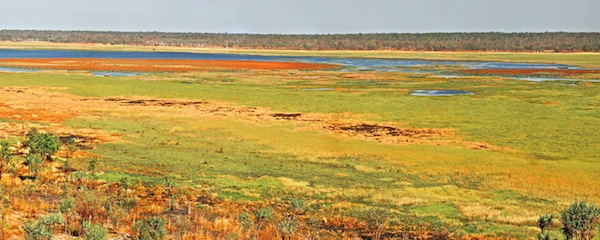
x=435 y=93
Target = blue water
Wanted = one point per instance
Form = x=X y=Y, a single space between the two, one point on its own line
x=347 y=64
x=363 y=64
x=317 y=89
x=434 y=93
x=11 y=69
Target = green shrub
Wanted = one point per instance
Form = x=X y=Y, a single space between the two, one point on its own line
x=34 y=163
x=42 y=144
x=127 y=203
x=245 y=222
x=262 y=216
x=65 y=205
x=297 y=205
x=544 y=222
x=92 y=165
x=5 y=156
x=580 y=221
x=36 y=231
x=288 y=226
x=94 y=231
x=152 y=228
x=43 y=228
x=376 y=218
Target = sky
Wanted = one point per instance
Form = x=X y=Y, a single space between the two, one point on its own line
x=303 y=16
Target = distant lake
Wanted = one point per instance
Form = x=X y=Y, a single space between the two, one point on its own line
x=362 y=64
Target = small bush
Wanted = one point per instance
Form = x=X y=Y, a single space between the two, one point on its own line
x=182 y=226
x=34 y=163
x=262 y=216
x=94 y=231
x=376 y=218
x=66 y=208
x=5 y=156
x=245 y=222
x=43 y=228
x=544 y=222
x=288 y=227
x=580 y=221
x=65 y=205
x=297 y=205
x=152 y=228
x=92 y=165
x=36 y=231
x=42 y=144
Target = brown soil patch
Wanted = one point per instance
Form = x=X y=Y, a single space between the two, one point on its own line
x=152 y=65
x=390 y=134
x=153 y=102
x=286 y=116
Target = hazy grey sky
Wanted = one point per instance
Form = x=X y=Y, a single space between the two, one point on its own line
x=302 y=16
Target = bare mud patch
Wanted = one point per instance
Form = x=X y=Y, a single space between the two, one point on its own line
x=286 y=116
x=389 y=134
x=153 y=102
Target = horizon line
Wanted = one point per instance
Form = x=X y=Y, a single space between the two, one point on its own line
x=250 y=33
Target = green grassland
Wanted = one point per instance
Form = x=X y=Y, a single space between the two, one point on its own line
x=548 y=133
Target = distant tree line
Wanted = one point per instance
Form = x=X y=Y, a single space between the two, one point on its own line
x=482 y=41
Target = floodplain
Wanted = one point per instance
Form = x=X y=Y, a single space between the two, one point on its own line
x=339 y=138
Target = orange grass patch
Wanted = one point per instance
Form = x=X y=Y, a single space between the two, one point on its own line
x=154 y=65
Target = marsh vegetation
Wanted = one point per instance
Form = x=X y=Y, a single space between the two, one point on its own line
x=248 y=153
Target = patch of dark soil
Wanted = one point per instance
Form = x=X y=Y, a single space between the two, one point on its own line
x=286 y=116
x=114 y=99
x=67 y=171
x=140 y=102
x=375 y=130
x=14 y=90
x=208 y=199
x=153 y=102
x=81 y=142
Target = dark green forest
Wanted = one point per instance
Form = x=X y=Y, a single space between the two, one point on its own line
x=481 y=41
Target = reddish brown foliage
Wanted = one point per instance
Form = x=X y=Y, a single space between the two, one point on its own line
x=153 y=65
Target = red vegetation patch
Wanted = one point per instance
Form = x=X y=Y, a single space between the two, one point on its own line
x=530 y=71
x=33 y=114
x=152 y=65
